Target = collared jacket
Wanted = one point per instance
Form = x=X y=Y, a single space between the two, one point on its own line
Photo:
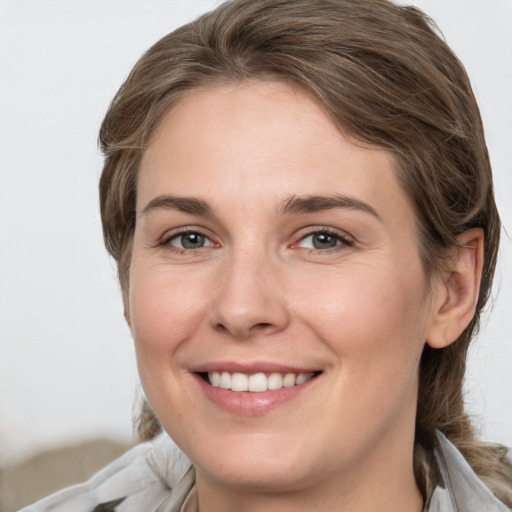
x=156 y=476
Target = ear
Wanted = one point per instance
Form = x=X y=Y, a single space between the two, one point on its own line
x=455 y=296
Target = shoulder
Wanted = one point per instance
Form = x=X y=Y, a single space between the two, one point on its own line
x=149 y=474
x=460 y=489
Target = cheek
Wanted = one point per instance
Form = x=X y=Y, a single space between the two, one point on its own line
x=372 y=317
x=164 y=311
x=376 y=332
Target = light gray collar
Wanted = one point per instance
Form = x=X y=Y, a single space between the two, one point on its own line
x=463 y=491
x=157 y=476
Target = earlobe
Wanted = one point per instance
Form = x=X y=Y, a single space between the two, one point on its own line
x=456 y=296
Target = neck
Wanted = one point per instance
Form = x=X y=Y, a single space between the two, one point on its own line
x=401 y=501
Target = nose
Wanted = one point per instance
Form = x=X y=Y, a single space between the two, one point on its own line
x=251 y=298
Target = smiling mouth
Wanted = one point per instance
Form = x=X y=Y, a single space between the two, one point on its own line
x=256 y=382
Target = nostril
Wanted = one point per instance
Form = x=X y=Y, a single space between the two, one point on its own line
x=262 y=325
x=241 y=320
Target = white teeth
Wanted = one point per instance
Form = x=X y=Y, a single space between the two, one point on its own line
x=303 y=377
x=215 y=378
x=275 y=381
x=289 y=380
x=257 y=382
x=225 y=380
x=239 y=382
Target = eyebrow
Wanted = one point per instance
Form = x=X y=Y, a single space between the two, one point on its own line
x=311 y=204
x=292 y=205
x=190 y=205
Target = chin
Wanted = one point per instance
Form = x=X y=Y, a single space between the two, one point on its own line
x=254 y=462
x=254 y=474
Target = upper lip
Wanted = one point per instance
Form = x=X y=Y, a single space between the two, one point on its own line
x=251 y=368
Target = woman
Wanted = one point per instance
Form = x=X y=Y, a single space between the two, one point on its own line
x=299 y=199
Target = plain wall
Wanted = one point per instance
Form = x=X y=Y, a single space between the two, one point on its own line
x=67 y=366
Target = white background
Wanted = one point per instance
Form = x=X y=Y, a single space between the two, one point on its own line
x=67 y=369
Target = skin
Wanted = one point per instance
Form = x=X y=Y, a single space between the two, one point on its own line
x=259 y=291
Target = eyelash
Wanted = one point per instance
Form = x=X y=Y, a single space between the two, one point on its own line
x=192 y=231
x=342 y=241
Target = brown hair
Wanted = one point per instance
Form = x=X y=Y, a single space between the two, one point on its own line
x=387 y=78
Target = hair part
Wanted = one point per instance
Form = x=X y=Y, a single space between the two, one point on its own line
x=386 y=78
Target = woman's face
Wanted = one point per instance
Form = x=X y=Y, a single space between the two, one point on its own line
x=272 y=252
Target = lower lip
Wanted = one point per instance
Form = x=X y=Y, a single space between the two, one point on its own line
x=248 y=403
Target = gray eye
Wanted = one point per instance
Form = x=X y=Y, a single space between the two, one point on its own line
x=320 y=240
x=191 y=240
x=324 y=241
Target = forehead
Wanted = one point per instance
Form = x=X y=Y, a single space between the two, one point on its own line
x=259 y=140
